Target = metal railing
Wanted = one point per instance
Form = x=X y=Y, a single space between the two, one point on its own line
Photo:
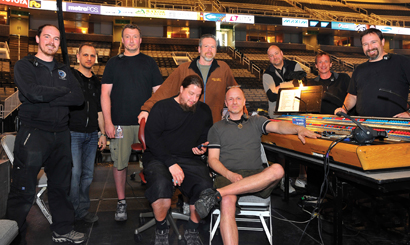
x=11 y=103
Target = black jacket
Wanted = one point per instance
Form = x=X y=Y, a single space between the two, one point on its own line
x=336 y=88
x=45 y=95
x=84 y=118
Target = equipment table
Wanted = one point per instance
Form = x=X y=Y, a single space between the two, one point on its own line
x=381 y=181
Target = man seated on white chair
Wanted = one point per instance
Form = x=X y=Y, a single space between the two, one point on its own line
x=175 y=132
x=234 y=153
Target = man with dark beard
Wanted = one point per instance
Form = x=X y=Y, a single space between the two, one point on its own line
x=46 y=90
x=176 y=134
x=382 y=71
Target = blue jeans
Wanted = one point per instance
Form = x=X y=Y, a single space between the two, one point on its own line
x=83 y=149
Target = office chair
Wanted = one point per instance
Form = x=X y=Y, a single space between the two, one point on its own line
x=8 y=145
x=259 y=208
x=139 y=148
x=171 y=216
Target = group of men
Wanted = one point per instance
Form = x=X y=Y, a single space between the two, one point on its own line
x=386 y=72
x=183 y=116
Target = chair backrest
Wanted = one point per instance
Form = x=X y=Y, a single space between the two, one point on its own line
x=263 y=156
x=7 y=142
x=141 y=134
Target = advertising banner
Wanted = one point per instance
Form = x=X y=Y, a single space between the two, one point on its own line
x=295 y=22
x=18 y=3
x=82 y=8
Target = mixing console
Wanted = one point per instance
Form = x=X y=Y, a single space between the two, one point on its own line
x=397 y=129
x=383 y=153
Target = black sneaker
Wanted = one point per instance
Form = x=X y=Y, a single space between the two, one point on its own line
x=72 y=237
x=89 y=218
x=161 y=237
x=207 y=200
x=192 y=237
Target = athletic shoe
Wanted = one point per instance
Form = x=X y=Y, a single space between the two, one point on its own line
x=72 y=237
x=121 y=213
x=282 y=185
x=89 y=218
x=192 y=237
x=161 y=237
x=207 y=200
x=300 y=183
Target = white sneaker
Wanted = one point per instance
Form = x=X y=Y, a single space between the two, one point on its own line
x=282 y=185
x=300 y=183
x=121 y=213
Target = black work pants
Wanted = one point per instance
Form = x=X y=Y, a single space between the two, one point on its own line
x=33 y=149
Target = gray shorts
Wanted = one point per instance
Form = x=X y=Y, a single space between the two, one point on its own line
x=121 y=148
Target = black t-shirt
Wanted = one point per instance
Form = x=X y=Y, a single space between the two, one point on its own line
x=84 y=118
x=335 y=85
x=133 y=78
x=391 y=73
x=49 y=64
x=171 y=132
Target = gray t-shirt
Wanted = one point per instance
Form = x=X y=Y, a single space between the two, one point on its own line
x=240 y=145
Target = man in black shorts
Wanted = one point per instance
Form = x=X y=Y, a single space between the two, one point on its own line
x=174 y=133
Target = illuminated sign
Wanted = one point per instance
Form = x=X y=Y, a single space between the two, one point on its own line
x=82 y=8
x=234 y=18
x=213 y=17
x=295 y=22
x=317 y=23
x=34 y=4
x=181 y=15
x=344 y=26
x=394 y=30
x=18 y=3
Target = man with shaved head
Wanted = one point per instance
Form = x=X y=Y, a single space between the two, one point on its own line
x=234 y=153
x=279 y=74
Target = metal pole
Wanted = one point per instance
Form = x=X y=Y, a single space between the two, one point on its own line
x=63 y=40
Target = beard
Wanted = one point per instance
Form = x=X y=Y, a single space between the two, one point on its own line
x=208 y=59
x=375 y=56
x=47 y=51
x=187 y=108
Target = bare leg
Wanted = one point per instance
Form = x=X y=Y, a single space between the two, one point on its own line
x=194 y=215
x=229 y=230
x=161 y=207
x=120 y=176
x=268 y=177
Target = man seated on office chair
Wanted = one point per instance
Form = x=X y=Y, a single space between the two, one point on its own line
x=175 y=132
x=235 y=154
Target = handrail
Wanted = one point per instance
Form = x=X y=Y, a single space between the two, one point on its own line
x=11 y=103
x=257 y=69
x=246 y=60
x=303 y=63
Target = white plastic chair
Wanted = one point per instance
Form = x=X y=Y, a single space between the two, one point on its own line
x=8 y=145
x=253 y=210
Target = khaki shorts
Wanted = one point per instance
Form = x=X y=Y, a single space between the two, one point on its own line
x=221 y=181
x=121 y=148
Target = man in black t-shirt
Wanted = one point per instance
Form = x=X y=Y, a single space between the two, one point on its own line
x=128 y=81
x=84 y=123
x=174 y=133
x=334 y=84
x=370 y=81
